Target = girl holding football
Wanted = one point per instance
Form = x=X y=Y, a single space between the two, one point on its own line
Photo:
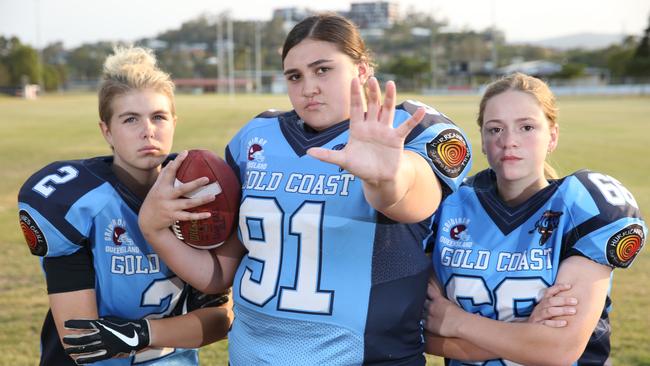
x=113 y=301
x=513 y=230
x=337 y=200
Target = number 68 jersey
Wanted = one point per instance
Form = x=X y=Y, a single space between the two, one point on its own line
x=82 y=222
x=496 y=260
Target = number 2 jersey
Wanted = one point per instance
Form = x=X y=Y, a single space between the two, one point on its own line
x=83 y=224
x=495 y=260
x=328 y=280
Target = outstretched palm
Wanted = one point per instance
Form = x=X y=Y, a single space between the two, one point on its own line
x=374 y=150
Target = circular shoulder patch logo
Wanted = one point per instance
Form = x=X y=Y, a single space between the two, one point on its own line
x=33 y=234
x=449 y=152
x=623 y=246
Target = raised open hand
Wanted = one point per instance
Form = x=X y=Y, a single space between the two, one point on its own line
x=375 y=149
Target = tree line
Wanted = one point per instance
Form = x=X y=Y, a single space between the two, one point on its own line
x=400 y=52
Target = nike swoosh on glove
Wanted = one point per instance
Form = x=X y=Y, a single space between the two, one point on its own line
x=193 y=299
x=109 y=337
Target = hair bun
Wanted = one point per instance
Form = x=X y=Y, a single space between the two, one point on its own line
x=128 y=60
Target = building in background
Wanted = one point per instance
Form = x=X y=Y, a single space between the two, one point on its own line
x=538 y=68
x=291 y=16
x=374 y=15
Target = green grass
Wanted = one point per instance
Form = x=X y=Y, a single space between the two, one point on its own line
x=606 y=134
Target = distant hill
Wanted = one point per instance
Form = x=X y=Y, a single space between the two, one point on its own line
x=587 y=41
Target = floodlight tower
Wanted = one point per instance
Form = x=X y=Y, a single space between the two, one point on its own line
x=220 y=55
x=231 y=58
x=432 y=60
x=258 y=59
x=495 y=56
x=38 y=46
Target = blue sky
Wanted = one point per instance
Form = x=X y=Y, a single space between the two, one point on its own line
x=39 y=22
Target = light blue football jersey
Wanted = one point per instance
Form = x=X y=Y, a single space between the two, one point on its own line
x=496 y=260
x=70 y=207
x=328 y=280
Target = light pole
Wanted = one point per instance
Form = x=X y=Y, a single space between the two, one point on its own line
x=495 y=56
x=231 y=58
x=38 y=46
x=432 y=61
x=428 y=33
x=258 y=59
x=220 y=56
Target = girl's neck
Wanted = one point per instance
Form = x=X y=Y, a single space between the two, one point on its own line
x=514 y=193
x=137 y=181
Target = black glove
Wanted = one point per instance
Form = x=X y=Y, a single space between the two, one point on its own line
x=109 y=337
x=193 y=299
x=199 y=300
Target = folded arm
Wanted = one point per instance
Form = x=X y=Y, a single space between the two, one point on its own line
x=589 y=283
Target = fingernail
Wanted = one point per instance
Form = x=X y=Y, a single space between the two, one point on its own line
x=571 y=310
x=572 y=301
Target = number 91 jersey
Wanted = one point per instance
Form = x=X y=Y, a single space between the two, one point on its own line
x=83 y=224
x=327 y=279
x=496 y=260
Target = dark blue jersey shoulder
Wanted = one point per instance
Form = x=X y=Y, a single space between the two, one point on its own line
x=62 y=183
x=59 y=184
x=613 y=200
x=431 y=117
x=614 y=219
x=53 y=190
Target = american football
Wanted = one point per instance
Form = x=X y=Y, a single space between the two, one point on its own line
x=213 y=231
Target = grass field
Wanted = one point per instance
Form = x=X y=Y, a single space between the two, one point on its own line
x=607 y=134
